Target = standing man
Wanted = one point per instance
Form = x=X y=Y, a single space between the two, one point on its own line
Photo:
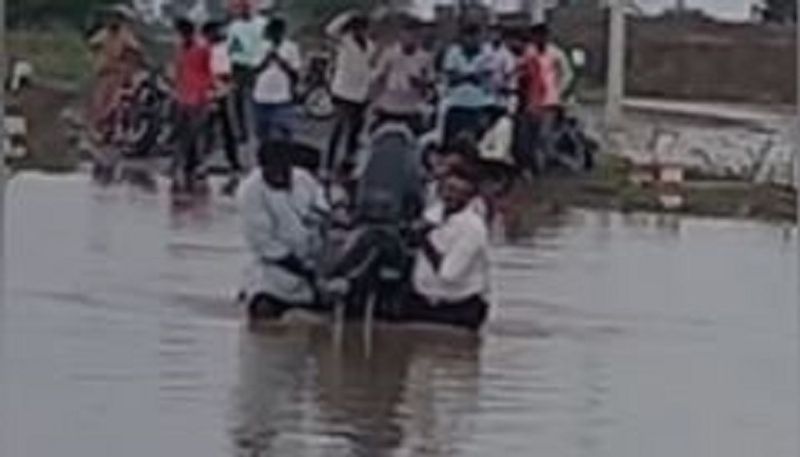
x=546 y=76
x=277 y=75
x=351 y=85
x=403 y=77
x=279 y=205
x=468 y=68
x=451 y=271
x=504 y=71
x=246 y=48
x=194 y=86
x=221 y=112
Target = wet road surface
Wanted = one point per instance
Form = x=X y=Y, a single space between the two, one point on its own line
x=621 y=336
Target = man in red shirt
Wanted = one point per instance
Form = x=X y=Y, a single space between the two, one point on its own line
x=194 y=88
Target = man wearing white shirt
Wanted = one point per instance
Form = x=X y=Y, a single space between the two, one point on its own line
x=245 y=45
x=351 y=83
x=222 y=71
x=451 y=271
x=273 y=92
x=403 y=77
x=281 y=207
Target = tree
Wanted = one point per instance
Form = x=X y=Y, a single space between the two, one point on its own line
x=37 y=12
x=779 y=11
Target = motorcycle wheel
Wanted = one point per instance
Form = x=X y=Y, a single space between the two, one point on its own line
x=318 y=103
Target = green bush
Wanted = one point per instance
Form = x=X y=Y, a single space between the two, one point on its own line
x=37 y=12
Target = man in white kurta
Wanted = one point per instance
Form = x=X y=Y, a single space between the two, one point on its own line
x=280 y=207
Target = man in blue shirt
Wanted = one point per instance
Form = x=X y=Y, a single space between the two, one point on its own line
x=468 y=66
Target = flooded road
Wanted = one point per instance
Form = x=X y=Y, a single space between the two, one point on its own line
x=617 y=336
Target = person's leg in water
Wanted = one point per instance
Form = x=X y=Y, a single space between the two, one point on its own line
x=184 y=143
x=193 y=147
x=358 y=115
x=229 y=143
x=544 y=151
x=242 y=79
x=340 y=126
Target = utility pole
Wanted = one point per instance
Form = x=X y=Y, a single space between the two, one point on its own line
x=3 y=153
x=615 y=85
x=797 y=129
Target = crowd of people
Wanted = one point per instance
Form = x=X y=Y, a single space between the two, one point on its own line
x=237 y=81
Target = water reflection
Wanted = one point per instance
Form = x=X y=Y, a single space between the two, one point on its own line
x=300 y=393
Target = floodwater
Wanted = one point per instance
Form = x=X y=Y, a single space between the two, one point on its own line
x=623 y=336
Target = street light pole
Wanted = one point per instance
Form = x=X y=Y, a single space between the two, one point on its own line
x=615 y=86
x=797 y=126
x=3 y=153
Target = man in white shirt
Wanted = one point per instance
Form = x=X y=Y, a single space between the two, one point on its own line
x=504 y=70
x=273 y=92
x=451 y=271
x=468 y=67
x=351 y=84
x=245 y=45
x=220 y=117
x=403 y=78
x=280 y=207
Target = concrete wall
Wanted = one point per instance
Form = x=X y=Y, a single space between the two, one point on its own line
x=692 y=58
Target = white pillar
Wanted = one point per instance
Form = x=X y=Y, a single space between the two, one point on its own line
x=3 y=152
x=615 y=85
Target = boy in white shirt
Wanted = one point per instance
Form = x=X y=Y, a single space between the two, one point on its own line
x=277 y=75
x=221 y=113
x=245 y=47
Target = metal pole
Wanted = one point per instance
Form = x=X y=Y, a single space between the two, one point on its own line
x=797 y=125
x=615 y=86
x=3 y=171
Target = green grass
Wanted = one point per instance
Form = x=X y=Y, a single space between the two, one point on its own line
x=57 y=53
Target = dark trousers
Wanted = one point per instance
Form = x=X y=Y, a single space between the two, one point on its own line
x=470 y=313
x=220 y=125
x=460 y=121
x=191 y=120
x=349 y=122
x=274 y=121
x=266 y=306
x=243 y=81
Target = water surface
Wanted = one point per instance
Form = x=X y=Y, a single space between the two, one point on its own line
x=618 y=336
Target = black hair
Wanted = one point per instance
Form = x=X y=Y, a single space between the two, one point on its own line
x=272 y=154
x=358 y=21
x=212 y=29
x=540 y=30
x=276 y=25
x=463 y=144
x=184 y=26
x=466 y=172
